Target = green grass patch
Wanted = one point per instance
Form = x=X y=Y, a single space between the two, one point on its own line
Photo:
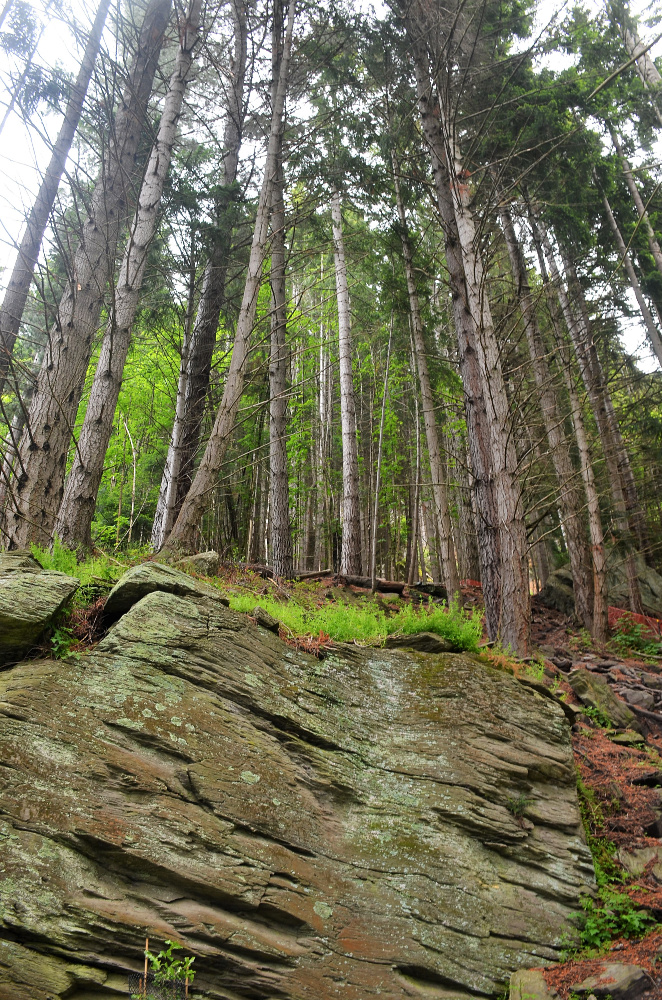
x=95 y=569
x=365 y=622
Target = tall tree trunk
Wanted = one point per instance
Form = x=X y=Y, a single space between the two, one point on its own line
x=43 y=450
x=412 y=576
x=82 y=485
x=13 y=303
x=198 y=348
x=504 y=568
x=480 y=446
x=651 y=328
x=321 y=452
x=653 y=244
x=448 y=558
x=378 y=470
x=598 y=560
x=569 y=498
x=470 y=564
x=279 y=494
x=635 y=514
x=183 y=534
x=350 y=559
x=515 y=602
x=644 y=65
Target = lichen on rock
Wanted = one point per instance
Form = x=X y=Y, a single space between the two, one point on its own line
x=30 y=600
x=307 y=828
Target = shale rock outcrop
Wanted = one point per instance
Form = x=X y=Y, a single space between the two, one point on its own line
x=30 y=599
x=379 y=823
x=558 y=590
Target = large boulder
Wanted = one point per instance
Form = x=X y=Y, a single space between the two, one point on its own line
x=306 y=828
x=558 y=591
x=595 y=692
x=147 y=578
x=206 y=563
x=30 y=600
x=650 y=583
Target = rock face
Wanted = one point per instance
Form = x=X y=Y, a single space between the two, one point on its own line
x=529 y=984
x=595 y=692
x=558 y=593
x=206 y=563
x=308 y=829
x=148 y=578
x=650 y=584
x=30 y=598
x=617 y=982
x=424 y=642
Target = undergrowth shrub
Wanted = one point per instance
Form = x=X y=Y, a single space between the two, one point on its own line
x=365 y=621
x=463 y=629
x=612 y=914
x=97 y=568
x=632 y=636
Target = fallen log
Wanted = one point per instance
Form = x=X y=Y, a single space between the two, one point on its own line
x=384 y=586
x=313 y=574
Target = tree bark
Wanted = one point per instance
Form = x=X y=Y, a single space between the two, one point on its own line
x=82 y=485
x=598 y=559
x=480 y=446
x=279 y=494
x=198 y=348
x=504 y=568
x=183 y=534
x=596 y=398
x=18 y=287
x=651 y=328
x=653 y=244
x=43 y=449
x=350 y=558
x=378 y=471
x=569 y=499
x=448 y=557
x=633 y=508
x=644 y=65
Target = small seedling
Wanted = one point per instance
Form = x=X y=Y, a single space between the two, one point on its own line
x=165 y=968
x=516 y=805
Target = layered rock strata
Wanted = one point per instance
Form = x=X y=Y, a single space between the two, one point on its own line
x=30 y=600
x=381 y=823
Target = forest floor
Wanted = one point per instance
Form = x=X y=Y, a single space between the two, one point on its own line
x=619 y=771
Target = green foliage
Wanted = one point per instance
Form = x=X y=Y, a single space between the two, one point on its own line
x=607 y=871
x=366 y=622
x=96 y=568
x=632 y=636
x=463 y=629
x=166 y=968
x=597 y=715
x=62 y=642
x=612 y=914
x=536 y=669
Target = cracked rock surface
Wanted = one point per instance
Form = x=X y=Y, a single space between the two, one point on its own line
x=379 y=823
x=30 y=599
